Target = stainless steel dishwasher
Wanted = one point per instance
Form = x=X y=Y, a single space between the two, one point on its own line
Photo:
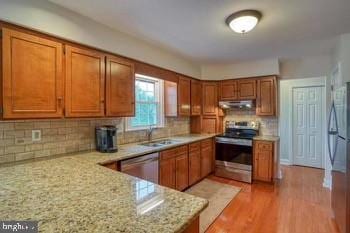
x=144 y=167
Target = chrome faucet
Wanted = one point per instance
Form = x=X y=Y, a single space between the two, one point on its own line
x=149 y=132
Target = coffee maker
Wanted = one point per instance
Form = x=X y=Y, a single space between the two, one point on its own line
x=106 y=138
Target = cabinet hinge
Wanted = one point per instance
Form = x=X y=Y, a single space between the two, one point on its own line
x=64 y=49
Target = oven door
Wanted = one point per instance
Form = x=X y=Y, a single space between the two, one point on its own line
x=235 y=154
x=233 y=160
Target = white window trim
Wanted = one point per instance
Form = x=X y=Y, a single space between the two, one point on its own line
x=160 y=87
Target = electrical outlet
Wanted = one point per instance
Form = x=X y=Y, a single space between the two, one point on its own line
x=36 y=135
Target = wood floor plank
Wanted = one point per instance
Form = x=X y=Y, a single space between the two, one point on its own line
x=296 y=204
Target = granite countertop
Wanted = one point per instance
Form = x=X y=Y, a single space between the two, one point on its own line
x=267 y=138
x=135 y=149
x=75 y=194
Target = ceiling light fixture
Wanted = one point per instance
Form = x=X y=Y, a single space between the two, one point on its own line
x=243 y=21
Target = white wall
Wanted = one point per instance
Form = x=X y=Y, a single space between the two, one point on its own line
x=305 y=67
x=240 y=70
x=286 y=114
x=50 y=18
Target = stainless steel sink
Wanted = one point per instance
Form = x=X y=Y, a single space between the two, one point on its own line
x=159 y=143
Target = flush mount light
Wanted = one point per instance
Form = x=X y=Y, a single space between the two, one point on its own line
x=243 y=21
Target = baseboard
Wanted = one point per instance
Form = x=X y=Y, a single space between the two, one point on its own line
x=285 y=162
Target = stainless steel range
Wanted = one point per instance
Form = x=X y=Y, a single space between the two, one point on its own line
x=234 y=150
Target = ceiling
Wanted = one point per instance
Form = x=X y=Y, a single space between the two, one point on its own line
x=196 y=28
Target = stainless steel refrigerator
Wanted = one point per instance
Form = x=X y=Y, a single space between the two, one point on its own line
x=339 y=154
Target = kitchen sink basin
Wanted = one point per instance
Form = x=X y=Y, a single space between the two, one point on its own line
x=159 y=143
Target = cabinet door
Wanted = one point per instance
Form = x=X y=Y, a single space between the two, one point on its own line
x=206 y=158
x=266 y=97
x=32 y=76
x=263 y=161
x=194 y=159
x=209 y=98
x=228 y=90
x=181 y=171
x=246 y=89
x=209 y=124
x=85 y=82
x=196 y=100
x=170 y=99
x=167 y=173
x=184 y=96
x=120 y=87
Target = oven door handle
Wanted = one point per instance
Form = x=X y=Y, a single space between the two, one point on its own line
x=234 y=143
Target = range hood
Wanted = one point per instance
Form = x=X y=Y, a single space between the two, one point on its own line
x=240 y=104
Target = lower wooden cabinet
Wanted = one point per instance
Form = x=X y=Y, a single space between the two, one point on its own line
x=206 y=157
x=173 y=168
x=194 y=163
x=167 y=173
x=184 y=166
x=181 y=174
x=264 y=164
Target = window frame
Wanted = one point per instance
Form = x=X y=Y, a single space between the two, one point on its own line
x=159 y=94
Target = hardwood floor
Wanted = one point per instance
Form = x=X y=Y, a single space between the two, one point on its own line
x=296 y=204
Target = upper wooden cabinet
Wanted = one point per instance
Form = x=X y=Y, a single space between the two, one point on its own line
x=120 y=87
x=266 y=100
x=240 y=89
x=32 y=76
x=209 y=98
x=246 y=89
x=228 y=90
x=184 y=96
x=85 y=82
x=196 y=100
x=170 y=99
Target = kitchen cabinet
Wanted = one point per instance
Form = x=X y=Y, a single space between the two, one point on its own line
x=167 y=175
x=170 y=99
x=266 y=100
x=246 y=89
x=120 y=87
x=181 y=164
x=228 y=90
x=184 y=96
x=112 y=166
x=196 y=100
x=207 y=158
x=173 y=169
x=32 y=81
x=209 y=124
x=263 y=157
x=209 y=98
x=85 y=82
x=194 y=160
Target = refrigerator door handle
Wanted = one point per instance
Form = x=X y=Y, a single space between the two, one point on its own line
x=332 y=132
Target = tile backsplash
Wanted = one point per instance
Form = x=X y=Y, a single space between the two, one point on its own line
x=268 y=125
x=70 y=135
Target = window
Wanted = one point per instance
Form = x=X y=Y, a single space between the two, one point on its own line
x=149 y=103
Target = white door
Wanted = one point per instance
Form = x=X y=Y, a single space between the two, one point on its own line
x=308 y=116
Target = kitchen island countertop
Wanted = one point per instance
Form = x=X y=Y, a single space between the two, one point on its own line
x=74 y=194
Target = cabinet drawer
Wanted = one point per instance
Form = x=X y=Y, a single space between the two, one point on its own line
x=264 y=146
x=181 y=150
x=195 y=146
x=206 y=143
x=171 y=153
x=167 y=154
